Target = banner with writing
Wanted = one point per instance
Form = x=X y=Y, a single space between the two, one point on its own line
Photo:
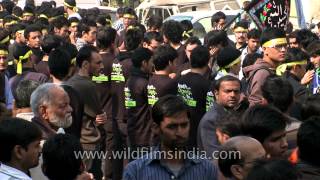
x=271 y=13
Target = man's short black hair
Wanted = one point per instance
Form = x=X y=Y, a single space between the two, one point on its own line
x=308 y=141
x=193 y=40
x=216 y=17
x=50 y=42
x=152 y=35
x=295 y=55
x=293 y=34
x=106 y=37
x=229 y=124
x=16 y=131
x=278 y=92
x=84 y=27
x=260 y=122
x=59 y=157
x=254 y=34
x=172 y=30
x=133 y=39
x=250 y=59
x=162 y=56
x=59 y=63
x=187 y=29
x=275 y=169
x=31 y=28
x=272 y=33
x=223 y=79
x=168 y=106
x=216 y=37
x=85 y=54
x=313 y=48
x=310 y=107
x=155 y=22
x=305 y=37
x=139 y=55
x=23 y=93
x=199 y=57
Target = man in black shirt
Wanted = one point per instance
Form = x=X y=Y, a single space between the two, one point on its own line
x=193 y=87
x=160 y=84
x=136 y=100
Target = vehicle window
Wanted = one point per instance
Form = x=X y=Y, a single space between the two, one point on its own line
x=206 y=23
x=199 y=30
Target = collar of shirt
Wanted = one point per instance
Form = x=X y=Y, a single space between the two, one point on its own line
x=13 y=172
x=138 y=72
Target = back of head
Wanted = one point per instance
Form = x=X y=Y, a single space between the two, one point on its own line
x=278 y=92
x=187 y=29
x=215 y=38
x=295 y=55
x=106 y=37
x=305 y=37
x=229 y=125
x=163 y=55
x=308 y=141
x=23 y=93
x=85 y=54
x=199 y=57
x=59 y=63
x=227 y=56
x=313 y=48
x=172 y=30
x=193 y=40
x=16 y=132
x=311 y=107
x=50 y=42
x=168 y=106
x=59 y=157
x=133 y=38
x=154 y=22
x=250 y=59
x=273 y=169
x=271 y=33
x=260 y=122
x=139 y=55
x=152 y=35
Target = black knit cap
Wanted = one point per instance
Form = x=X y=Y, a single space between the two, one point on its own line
x=3 y=14
x=57 y=12
x=227 y=55
x=71 y=2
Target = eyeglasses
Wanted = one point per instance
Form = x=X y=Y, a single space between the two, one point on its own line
x=279 y=47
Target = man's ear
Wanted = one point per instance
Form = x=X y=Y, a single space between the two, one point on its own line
x=18 y=152
x=145 y=45
x=43 y=112
x=85 y=64
x=155 y=128
x=216 y=94
x=237 y=171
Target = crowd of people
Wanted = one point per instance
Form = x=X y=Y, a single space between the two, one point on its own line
x=71 y=81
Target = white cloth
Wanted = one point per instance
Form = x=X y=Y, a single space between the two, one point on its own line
x=26 y=116
x=10 y=173
x=244 y=53
x=76 y=15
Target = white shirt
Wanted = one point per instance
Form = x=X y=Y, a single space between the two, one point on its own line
x=76 y=15
x=10 y=173
x=26 y=116
x=244 y=53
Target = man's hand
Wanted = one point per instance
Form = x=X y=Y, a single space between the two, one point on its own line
x=85 y=176
x=307 y=78
x=101 y=118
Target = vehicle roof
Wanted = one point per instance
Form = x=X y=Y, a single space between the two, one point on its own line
x=200 y=14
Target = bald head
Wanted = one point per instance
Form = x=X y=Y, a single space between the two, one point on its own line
x=250 y=149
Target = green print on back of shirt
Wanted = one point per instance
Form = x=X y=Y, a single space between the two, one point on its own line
x=185 y=92
x=129 y=102
x=101 y=78
x=152 y=95
x=116 y=74
x=209 y=100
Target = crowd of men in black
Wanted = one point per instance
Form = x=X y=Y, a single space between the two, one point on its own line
x=73 y=81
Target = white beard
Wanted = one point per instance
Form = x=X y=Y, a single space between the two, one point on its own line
x=62 y=123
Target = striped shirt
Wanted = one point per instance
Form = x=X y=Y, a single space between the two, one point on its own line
x=150 y=167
